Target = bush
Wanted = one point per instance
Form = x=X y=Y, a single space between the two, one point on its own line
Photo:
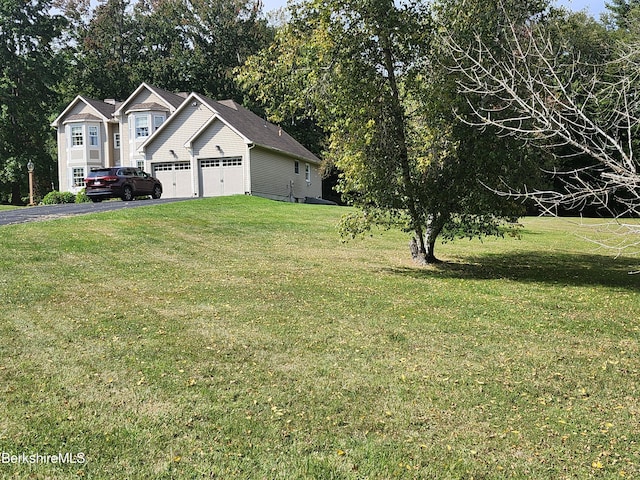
x=82 y=197
x=55 y=197
x=68 y=197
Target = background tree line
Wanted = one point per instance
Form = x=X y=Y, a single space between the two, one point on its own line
x=373 y=85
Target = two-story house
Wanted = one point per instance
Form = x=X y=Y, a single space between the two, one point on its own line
x=194 y=145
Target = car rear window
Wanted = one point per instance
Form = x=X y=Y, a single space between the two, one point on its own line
x=99 y=173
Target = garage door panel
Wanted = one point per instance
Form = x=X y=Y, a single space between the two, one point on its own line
x=221 y=176
x=175 y=178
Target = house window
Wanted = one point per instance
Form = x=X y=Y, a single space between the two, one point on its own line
x=142 y=126
x=77 y=176
x=93 y=136
x=232 y=162
x=307 y=173
x=157 y=121
x=296 y=167
x=116 y=140
x=77 y=139
x=140 y=164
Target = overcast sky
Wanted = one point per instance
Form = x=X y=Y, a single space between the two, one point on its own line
x=594 y=7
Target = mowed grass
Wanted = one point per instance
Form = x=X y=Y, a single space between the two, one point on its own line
x=238 y=338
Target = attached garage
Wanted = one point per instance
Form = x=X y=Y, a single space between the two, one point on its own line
x=175 y=178
x=208 y=148
x=220 y=176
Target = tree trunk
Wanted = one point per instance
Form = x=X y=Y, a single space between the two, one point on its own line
x=417 y=245
x=418 y=250
x=434 y=227
x=16 y=199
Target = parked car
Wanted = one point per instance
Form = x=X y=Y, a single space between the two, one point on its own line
x=121 y=182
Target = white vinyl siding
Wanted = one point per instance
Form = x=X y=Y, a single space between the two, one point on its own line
x=273 y=176
x=219 y=135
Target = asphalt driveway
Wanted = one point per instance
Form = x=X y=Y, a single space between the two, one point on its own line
x=50 y=212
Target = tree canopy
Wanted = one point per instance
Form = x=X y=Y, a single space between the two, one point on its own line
x=369 y=73
x=28 y=77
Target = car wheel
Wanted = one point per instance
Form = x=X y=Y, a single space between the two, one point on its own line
x=127 y=193
x=157 y=192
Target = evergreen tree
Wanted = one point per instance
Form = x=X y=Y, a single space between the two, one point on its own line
x=624 y=13
x=29 y=71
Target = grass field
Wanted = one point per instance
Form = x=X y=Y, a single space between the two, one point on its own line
x=238 y=338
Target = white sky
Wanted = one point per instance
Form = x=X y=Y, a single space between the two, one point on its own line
x=593 y=7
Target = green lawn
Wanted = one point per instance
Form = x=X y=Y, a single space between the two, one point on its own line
x=238 y=338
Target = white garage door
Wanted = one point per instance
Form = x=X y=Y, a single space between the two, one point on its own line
x=175 y=178
x=221 y=176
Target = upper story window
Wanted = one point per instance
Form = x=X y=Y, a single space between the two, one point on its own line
x=157 y=121
x=77 y=138
x=93 y=136
x=296 y=167
x=142 y=126
x=116 y=140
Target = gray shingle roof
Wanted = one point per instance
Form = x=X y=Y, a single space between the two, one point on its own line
x=140 y=107
x=173 y=98
x=82 y=117
x=257 y=130
x=105 y=109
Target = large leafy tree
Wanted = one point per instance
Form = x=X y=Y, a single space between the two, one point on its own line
x=29 y=69
x=180 y=45
x=104 y=52
x=367 y=72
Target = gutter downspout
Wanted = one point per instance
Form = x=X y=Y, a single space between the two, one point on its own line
x=247 y=170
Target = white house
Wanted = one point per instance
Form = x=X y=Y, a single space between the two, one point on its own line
x=196 y=146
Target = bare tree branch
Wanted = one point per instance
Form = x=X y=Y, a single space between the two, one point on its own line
x=541 y=91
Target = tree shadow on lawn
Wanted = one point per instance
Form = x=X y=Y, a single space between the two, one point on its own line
x=553 y=268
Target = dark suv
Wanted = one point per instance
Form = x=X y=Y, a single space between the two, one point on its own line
x=124 y=182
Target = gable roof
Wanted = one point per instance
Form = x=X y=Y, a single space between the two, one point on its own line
x=257 y=130
x=171 y=100
x=104 y=111
x=253 y=129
